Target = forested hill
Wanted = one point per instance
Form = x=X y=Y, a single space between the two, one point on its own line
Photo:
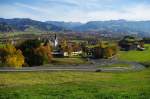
x=113 y=26
x=22 y=24
x=117 y=26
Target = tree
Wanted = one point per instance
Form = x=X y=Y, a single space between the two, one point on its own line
x=108 y=52
x=35 y=53
x=10 y=56
x=45 y=53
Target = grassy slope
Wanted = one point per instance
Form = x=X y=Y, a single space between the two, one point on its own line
x=64 y=61
x=75 y=85
x=137 y=56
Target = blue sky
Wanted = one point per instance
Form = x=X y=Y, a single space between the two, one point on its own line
x=76 y=10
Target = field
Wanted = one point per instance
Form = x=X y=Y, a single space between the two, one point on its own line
x=68 y=61
x=136 y=56
x=11 y=34
x=75 y=85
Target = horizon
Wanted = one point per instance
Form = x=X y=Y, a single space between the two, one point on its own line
x=76 y=10
x=78 y=21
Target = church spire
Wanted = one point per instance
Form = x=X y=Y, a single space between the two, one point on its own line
x=56 y=41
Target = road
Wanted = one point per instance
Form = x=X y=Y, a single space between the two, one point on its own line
x=94 y=66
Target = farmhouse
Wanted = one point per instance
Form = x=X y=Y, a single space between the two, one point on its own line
x=131 y=43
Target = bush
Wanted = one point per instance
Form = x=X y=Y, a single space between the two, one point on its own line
x=12 y=57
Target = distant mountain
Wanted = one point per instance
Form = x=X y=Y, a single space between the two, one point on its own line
x=22 y=24
x=117 y=26
x=5 y=27
x=114 y=27
x=66 y=25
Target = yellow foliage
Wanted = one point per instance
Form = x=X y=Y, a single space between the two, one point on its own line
x=10 y=49
x=16 y=60
x=44 y=51
x=12 y=56
x=108 y=52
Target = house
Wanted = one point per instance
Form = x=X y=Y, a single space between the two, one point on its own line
x=76 y=53
x=131 y=43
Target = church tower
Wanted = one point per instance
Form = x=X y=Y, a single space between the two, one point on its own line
x=56 y=41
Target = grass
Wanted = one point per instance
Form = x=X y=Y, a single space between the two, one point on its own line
x=75 y=85
x=68 y=61
x=136 y=56
x=12 y=34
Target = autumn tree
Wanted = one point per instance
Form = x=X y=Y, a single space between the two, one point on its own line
x=35 y=53
x=10 y=56
x=45 y=53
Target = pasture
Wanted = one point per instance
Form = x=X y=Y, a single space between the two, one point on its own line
x=69 y=61
x=136 y=56
x=75 y=85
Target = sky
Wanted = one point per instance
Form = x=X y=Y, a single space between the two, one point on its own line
x=76 y=10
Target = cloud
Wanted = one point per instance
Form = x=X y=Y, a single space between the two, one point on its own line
x=138 y=12
x=76 y=10
x=62 y=2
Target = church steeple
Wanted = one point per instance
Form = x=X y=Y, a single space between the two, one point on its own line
x=56 y=41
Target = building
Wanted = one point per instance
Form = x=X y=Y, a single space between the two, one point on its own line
x=131 y=43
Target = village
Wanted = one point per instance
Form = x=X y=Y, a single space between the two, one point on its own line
x=51 y=48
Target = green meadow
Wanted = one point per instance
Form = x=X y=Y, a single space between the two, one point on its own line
x=68 y=61
x=75 y=85
x=136 y=56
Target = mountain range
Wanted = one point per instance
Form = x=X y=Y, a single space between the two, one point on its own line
x=22 y=24
x=113 y=26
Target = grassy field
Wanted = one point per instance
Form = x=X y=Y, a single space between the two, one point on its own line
x=136 y=56
x=11 y=34
x=75 y=85
x=69 y=61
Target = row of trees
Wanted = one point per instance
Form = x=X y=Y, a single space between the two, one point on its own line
x=102 y=50
x=28 y=53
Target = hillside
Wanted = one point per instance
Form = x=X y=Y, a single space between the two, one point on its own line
x=23 y=24
x=115 y=27
x=67 y=25
x=118 y=26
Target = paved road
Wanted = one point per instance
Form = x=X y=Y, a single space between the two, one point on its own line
x=94 y=66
